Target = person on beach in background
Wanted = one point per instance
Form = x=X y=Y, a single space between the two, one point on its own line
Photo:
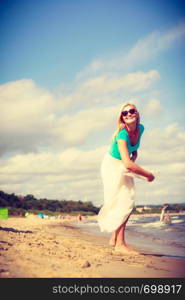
x=165 y=216
x=79 y=218
x=116 y=168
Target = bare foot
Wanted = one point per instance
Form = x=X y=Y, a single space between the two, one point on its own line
x=126 y=250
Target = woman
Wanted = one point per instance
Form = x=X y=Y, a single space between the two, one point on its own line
x=117 y=166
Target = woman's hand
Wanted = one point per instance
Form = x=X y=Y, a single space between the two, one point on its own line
x=150 y=177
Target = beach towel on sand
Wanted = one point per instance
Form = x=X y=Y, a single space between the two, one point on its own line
x=119 y=194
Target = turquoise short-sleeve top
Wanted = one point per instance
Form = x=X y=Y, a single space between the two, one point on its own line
x=123 y=134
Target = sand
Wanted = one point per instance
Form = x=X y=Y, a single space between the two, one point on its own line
x=54 y=248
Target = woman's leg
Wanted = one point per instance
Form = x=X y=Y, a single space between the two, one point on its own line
x=113 y=238
x=120 y=243
x=118 y=235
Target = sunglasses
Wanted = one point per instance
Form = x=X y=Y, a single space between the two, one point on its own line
x=131 y=111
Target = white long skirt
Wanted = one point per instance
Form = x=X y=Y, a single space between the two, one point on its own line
x=119 y=194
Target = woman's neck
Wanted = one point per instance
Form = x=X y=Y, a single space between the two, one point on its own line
x=131 y=127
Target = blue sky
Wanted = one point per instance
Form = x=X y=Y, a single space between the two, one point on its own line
x=66 y=68
x=50 y=41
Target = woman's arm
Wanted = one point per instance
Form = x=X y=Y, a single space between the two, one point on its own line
x=131 y=165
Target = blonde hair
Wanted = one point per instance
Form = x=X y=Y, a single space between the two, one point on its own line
x=121 y=124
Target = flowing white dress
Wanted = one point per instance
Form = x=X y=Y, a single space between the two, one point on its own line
x=119 y=194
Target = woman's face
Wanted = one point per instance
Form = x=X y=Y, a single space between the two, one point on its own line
x=129 y=114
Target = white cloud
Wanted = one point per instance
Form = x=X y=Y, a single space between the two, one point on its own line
x=23 y=100
x=144 y=50
x=76 y=128
x=109 y=88
x=153 y=108
x=66 y=162
x=26 y=114
x=134 y=81
x=53 y=175
x=153 y=44
x=165 y=144
x=162 y=151
x=30 y=120
x=33 y=119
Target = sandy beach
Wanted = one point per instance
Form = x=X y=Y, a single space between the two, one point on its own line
x=54 y=248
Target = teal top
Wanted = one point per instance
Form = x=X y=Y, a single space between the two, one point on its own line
x=123 y=135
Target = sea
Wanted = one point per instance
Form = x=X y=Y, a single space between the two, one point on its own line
x=147 y=234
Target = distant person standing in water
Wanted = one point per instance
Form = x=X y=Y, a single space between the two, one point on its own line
x=118 y=186
x=165 y=216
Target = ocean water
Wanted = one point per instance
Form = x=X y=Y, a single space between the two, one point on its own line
x=148 y=234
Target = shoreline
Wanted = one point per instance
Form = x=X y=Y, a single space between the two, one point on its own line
x=139 y=239
x=39 y=248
